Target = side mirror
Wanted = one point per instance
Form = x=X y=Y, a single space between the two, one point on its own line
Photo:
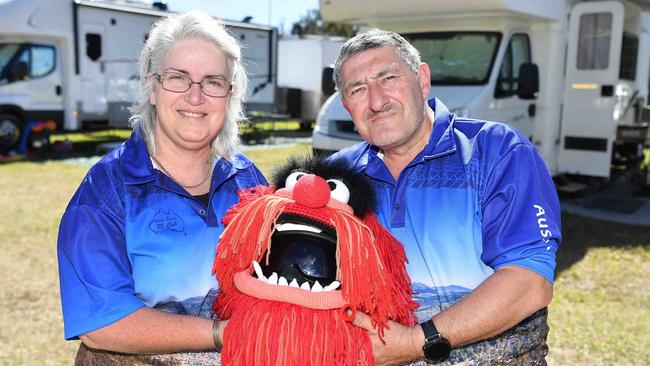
x=327 y=81
x=528 y=81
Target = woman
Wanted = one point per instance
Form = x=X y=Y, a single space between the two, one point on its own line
x=137 y=241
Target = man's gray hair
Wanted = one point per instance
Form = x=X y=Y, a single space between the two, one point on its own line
x=164 y=34
x=376 y=38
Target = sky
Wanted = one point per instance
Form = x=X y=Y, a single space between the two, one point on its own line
x=278 y=13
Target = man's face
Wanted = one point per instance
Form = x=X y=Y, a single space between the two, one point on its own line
x=385 y=98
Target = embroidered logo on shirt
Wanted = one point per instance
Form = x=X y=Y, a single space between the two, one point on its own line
x=167 y=220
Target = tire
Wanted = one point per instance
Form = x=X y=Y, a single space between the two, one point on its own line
x=11 y=128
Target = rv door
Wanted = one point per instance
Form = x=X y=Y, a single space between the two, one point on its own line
x=592 y=72
x=93 y=81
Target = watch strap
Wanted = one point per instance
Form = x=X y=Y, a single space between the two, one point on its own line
x=436 y=348
x=430 y=331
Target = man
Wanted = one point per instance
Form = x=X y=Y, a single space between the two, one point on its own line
x=471 y=201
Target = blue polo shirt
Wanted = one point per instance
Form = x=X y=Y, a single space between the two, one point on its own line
x=131 y=237
x=477 y=198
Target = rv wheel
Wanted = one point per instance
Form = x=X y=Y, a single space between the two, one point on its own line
x=10 y=129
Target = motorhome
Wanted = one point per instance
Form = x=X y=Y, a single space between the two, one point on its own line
x=301 y=60
x=573 y=76
x=75 y=63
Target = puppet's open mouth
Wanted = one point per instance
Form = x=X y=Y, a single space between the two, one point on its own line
x=302 y=255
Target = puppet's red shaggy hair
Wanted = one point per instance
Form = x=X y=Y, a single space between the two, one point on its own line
x=260 y=332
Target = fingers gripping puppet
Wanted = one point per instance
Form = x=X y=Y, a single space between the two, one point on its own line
x=291 y=260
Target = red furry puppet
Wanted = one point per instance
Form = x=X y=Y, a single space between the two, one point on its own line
x=291 y=260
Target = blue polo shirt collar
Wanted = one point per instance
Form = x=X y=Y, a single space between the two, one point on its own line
x=441 y=143
x=136 y=164
x=442 y=140
x=135 y=161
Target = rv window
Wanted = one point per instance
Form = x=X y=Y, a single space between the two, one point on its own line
x=19 y=62
x=457 y=58
x=19 y=69
x=594 y=41
x=518 y=53
x=7 y=52
x=93 y=46
x=42 y=60
x=629 y=51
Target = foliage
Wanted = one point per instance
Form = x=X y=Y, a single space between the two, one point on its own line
x=313 y=23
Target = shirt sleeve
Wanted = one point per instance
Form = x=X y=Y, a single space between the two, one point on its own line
x=95 y=275
x=521 y=213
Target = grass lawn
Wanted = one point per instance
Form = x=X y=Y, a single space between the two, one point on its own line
x=94 y=136
x=600 y=314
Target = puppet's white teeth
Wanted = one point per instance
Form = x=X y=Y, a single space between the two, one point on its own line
x=317 y=287
x=332 y=286
x=296 y=227
x=282 y=281
x=273 y=279
x=258 y=271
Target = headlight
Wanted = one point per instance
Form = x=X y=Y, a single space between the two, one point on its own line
x=462 y=112
x=322 y=126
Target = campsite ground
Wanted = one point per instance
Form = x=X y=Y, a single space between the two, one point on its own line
x=599 y=314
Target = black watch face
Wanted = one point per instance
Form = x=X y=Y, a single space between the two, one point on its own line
x=437 y=351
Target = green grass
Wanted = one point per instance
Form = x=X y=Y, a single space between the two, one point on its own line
x=269 y=126
x=599 y=314
x=263 y=128
x=33 y=197
x=94 y=136
x=267 y=159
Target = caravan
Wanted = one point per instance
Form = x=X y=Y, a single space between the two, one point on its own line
x=75 y=63
x=573 y=76
x=301 y=60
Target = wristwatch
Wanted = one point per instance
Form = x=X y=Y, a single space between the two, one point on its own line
x=436 y=347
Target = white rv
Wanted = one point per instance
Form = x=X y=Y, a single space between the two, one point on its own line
x=573 y=76
x=75 y=63
x=301 y=61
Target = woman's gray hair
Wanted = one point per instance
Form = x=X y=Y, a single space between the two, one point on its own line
x=376 y=38
x=164 y=34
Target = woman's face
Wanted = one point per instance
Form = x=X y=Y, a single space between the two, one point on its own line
x=189 y=120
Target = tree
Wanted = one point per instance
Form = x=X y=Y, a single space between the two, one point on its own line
x=313 y=23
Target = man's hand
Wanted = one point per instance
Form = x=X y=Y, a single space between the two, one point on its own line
x=400 y=343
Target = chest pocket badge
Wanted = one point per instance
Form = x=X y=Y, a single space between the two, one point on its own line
x=167 y=220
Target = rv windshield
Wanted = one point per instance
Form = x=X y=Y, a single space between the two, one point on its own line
x=7 y=52
x=457 y=58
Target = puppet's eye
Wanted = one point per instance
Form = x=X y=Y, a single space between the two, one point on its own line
x=292 y=179
x=339 y=191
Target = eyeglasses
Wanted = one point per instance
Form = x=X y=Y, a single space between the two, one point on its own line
x=177 y=82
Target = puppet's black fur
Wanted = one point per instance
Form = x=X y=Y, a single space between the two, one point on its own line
x=362 y=196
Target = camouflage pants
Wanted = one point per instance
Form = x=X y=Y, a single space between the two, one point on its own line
x=91 y=357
